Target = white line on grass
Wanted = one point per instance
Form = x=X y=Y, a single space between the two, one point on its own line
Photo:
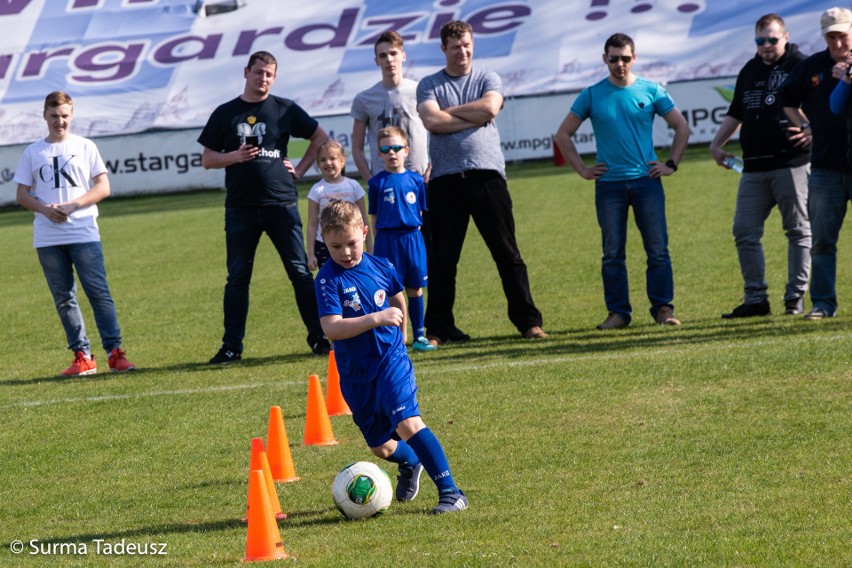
x=31 y=403
x=644 y=353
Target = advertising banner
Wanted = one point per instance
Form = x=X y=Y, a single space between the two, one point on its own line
x=136 y=65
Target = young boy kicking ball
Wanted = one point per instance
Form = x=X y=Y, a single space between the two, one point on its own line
x=362 y=309
x=397 y=201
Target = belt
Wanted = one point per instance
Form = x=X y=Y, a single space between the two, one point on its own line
x=466 y=174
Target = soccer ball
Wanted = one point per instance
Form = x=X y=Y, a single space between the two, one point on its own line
x=361 y=490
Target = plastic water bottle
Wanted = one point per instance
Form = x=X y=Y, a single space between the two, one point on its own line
x=734 y=163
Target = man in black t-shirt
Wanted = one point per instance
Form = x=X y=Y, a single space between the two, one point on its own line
x=775 y=171
x=805 y=96
x=248 y=136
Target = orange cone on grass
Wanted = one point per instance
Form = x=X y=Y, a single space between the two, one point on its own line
x=278 y=448
x=260 y=461
x=263 y=538
x=334 y=402
x=317 y=425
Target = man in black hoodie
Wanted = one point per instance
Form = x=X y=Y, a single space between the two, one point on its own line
x=775 y=171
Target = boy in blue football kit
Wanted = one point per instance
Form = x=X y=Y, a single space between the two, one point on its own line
x=361 y=309
x=397 y=201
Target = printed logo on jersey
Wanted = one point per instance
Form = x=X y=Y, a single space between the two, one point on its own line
x=816 y=79
x=389 y=196
x=353 y=302
x=56 y=171
x=379 y=298
x=251 y=127
x=776 y=78
x=411 y=197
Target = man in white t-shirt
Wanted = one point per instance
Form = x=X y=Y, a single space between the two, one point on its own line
x=61 y=178
x=390 y=102
x=393 y=102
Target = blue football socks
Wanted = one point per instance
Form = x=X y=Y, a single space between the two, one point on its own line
x=416 y=313
x=431 y=454
x=403 y=455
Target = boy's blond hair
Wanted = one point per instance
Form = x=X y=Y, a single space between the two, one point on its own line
x=340 y=216
x=389 y=131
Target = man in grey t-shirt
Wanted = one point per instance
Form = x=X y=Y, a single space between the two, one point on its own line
x=458 y=106
x=390 y=102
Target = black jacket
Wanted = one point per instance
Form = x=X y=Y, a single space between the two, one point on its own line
x=763 y=135
x=809 y=86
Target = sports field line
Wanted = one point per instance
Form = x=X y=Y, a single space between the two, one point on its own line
x=180 y=392
x=644 y=353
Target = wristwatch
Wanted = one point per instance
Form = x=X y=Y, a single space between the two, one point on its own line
x=805 y=125
x=670 y=164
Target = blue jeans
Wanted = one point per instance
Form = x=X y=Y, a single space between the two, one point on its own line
x=243 y=228
x=612 y=200
x=828 y=194
x=58 y=263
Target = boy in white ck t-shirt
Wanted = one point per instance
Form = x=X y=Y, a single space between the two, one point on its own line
x=61 y=178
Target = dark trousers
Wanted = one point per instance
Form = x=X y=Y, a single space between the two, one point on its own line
x=243 y=228
x=453 y=200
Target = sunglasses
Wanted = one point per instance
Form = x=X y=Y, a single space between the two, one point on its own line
x=623 y=58
x=386 y=149
x=761 y=40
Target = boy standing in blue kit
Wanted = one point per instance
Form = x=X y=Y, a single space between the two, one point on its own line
x=397 y=201
x=361 y=309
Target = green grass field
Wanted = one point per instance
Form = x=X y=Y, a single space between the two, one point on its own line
x=719 y=443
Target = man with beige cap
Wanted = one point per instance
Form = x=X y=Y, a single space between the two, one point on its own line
x=805 y=97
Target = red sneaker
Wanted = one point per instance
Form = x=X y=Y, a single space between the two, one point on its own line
x=118 y=363
x=82 y=365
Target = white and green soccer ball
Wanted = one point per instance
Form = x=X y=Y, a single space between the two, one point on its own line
x=361 y=490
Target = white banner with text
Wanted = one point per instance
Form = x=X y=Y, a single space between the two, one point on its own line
x=138 y=65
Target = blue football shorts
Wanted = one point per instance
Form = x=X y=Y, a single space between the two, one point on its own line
x=407 y=253
x=379 y=406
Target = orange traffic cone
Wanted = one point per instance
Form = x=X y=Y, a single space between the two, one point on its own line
x=278 y=448
x=259 y=461
x=263 y=539
x=317 y=425
x=334 y=402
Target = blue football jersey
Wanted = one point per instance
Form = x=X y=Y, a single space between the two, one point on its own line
x=397 y=200
x=355 y=292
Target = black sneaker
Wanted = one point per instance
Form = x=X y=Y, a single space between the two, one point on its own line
x=457 y=336
x=749 y=311
x=225 y=355
x=794 y=307
x=408 y=482
x=320 y=346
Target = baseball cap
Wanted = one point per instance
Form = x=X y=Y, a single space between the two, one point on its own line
x=835 y=20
